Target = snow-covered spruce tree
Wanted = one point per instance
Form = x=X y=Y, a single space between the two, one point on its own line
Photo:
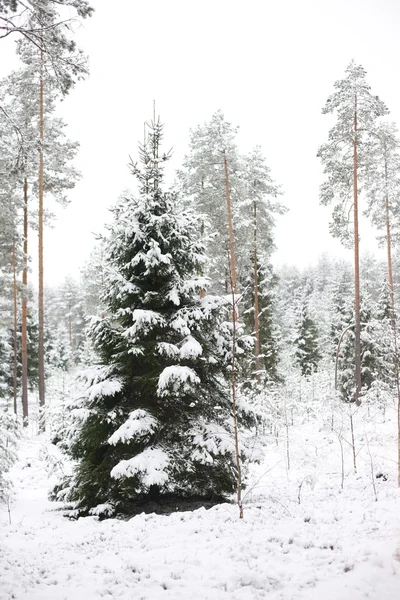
x=374 y=355
x=269 y=334
x=157 y=411
x=307 y=348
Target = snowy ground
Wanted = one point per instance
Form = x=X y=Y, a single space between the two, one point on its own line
x=334 y=545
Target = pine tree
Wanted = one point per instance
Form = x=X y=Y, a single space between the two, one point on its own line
x=56 y=62
x=212 y=156
x=19 y=22
x=344 y=160
x=158 y=414
x=19 y=122
x=258 y=207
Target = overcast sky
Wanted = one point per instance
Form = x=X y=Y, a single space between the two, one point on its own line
x=268 y=64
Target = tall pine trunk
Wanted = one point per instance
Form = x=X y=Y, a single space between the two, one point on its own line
x=393 y=317
x=230 y=228
x=233 y=286
x=24 y=339
x=256 y=306
x=15 y=374
x=41 y=282
x=356 y=264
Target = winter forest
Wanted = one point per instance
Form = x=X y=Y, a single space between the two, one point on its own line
x=185 y=416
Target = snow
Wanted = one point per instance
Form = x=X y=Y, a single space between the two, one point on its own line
x=210 y=438
x=175 y=378
x=139 y=423
x=191 y=348
x=151 y=464
x=332 y=544
x=169 y=350
x=173 y=295
x=143 y=322
x=110 y=387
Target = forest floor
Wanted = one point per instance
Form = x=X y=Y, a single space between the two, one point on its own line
x=303 y=537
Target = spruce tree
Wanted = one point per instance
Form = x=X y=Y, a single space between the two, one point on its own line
x=268 y=329
x=157 y=413
x=306 y=342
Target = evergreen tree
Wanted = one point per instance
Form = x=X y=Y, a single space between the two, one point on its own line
x=203 y=182
x=344 y=157
x=157 y=410
x=92 y=281
x=268 y=328
x=19 y=22
x=258 y=207
x=374 y=367
x=306 y=343
x=9 y=434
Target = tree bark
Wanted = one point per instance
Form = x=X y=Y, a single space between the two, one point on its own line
x=393 y=317
x=41 y=224
x=15 y=377
x=202 y=291
x=256 y=306
x=230 y=228
x=356 y=265
x=24 y=340
x=234 y=408
x=234 y=323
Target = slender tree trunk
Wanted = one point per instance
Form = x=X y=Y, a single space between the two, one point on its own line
x=232 y=266
x=356 y=264
x=15 y=378
x=24 y=340
x=256 y=306
x=230 y=228
x=234 y=407
x=202 y=291
x=41 y=281
x=393 y=318
x=70 y=330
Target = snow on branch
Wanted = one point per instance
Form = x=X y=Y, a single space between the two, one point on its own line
x=176 y=379
x=150 y=464
x=191 y=348
x=139 y=423
x=143 y=322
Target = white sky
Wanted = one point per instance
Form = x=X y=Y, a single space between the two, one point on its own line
x=268 y=64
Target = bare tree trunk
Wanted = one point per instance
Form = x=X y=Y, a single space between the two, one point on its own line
x=234 y=407
x=70 y=330
x=41 y=282
x=356 y=265
x=15 y=378
x=202 y=291
x=256 y=306
x=234 y=322
x=230 y=228
x=393 y=319
x=24 y=340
